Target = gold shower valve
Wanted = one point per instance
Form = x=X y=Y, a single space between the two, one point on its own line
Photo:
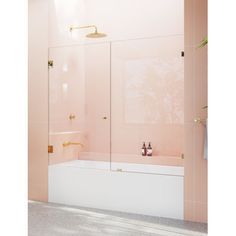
x=72 y=117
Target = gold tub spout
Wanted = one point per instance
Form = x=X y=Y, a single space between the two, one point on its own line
x=66 y=144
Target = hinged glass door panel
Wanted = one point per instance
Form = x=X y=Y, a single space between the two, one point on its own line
x=79 y=105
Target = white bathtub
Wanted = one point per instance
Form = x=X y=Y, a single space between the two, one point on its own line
x=125 y=167
x=155 y=190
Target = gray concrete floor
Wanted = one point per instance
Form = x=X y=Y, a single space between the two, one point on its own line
x=47 y=219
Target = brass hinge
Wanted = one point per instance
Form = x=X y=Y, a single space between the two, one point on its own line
x=50 y=63
x=182 y=156
x=182 y=53
x=50 y=149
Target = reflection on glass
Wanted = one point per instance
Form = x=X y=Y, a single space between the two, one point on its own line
x=65 y=68
x=65 y=88
x=153 y=91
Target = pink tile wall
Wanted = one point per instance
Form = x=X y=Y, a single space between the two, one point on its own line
x=167 y=137
x=195 y=194
x=106 y=14
x=38 y=101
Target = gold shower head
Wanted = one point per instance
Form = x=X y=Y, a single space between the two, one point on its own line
x=96 y=34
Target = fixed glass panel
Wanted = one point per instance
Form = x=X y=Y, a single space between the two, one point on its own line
x=79 y=106
x=147 y=103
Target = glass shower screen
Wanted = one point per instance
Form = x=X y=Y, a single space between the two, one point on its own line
x=79 y=105
x=106 y=99
x=147 y=103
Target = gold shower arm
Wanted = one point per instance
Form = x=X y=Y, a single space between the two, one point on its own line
x=84 y=27
x=65 y=144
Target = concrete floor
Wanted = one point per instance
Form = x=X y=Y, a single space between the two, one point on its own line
x=46 y=219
